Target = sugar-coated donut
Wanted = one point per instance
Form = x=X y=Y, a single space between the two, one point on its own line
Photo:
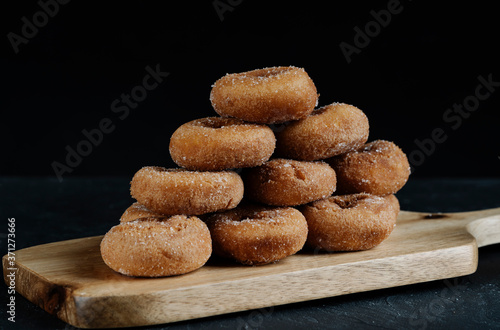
x=269 y=95
x=180 y=191
x=217 y=143
x=286 y=182
x=328 y=131
x=379 y=168
x=393 y=200
x=136 y=211
x=350 y=222
x=153 y=247
x=255 y=235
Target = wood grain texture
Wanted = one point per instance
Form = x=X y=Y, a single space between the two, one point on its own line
x=70 y=280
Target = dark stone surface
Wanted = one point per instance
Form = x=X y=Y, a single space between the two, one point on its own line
x=47 y=211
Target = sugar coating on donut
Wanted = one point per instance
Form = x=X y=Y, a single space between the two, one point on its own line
x=350 y=222
x=379 y=168
x=256 y=235
x=286 y=182
x=268 y=95
x=152 y=247
x=328 y=131
x=217 y=143
x=393 y=200
x=136 y=211
x=180 y=191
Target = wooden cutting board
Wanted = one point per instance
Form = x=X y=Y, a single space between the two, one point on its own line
x=70 y=280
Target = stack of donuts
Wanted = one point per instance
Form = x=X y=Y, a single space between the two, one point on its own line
x=260 y=181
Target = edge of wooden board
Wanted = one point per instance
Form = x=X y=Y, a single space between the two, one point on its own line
x=265 y=291
x=75 y=307
x=219 y=289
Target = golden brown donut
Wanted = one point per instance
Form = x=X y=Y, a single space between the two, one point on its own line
x=255 y=235
x=379 y=168
x=136 y=211
x=394 y=201
x=286 y=182
x=180 y=191
x=153 y=247
x=216 y=143
x=331 y=130
x=267 y=96
x=350 y=222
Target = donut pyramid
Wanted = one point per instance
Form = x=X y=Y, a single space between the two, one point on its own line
x=256 y=183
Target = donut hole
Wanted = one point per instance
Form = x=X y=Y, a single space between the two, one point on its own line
x=160 y=169
x=318 y=111
x=349 y=201
x=299 y=173
x=268 y=215
x=346 y=204
x=149 y=218
x=253 y=213
x=376 y=146
x=267 y=73
x=180 y=226
x=168 y=170
x=217 y=122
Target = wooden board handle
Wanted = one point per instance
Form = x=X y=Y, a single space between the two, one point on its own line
x=484 y=225
x=486 y=230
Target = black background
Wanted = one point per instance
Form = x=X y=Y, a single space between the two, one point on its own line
x=65 y=78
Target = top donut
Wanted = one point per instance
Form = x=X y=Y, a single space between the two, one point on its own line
x=266 y=96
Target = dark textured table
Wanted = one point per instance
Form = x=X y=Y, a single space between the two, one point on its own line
x=47 y=211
